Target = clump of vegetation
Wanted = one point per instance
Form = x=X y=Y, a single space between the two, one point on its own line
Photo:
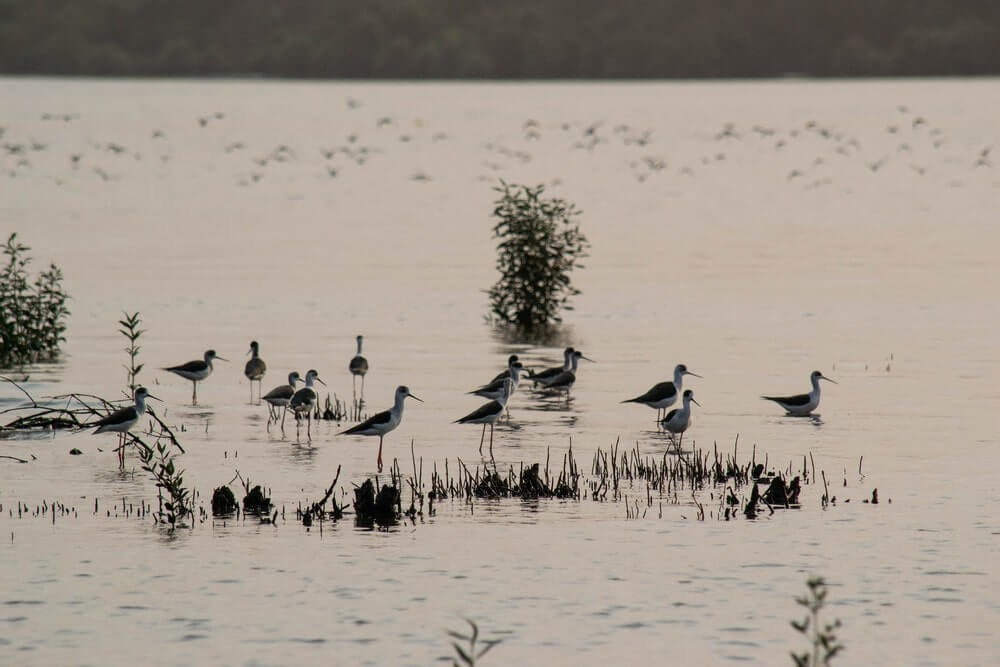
x=223 y=501
x=32 y=315
x=822 y=640
x=384 y=508
x=255 y=502
x=539 y=245
x=468 y=651
x=158 y=461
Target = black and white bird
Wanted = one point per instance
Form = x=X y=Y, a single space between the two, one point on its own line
x=121 y=421
x=255 y=369
x=566 y=379
x=678 y=420
x=801 y=405
x=664 y=394
x=498 y=386
x=542 y=377
x=196 y=371
x=489 y=413
x=505 y=373
x=279 y=397
x=359 y=367
x=304 y=400
x=383 y=422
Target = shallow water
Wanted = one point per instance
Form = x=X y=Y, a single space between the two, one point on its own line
x=842 y=234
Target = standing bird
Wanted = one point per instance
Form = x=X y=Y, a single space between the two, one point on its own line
x=489 y=413
x=566 y=379
x=678 y=420
x=498 y=389
x=383 y=422
x=505 y=373
x=255 y=369
x=359 y=366
x=121 y=421
x=303 y=401
x=664 y=394
x=543 y=376
x=196 y=371
x=802 y=404
x=279 y=398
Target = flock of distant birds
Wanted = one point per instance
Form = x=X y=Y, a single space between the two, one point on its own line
x=301 y=401
x=910 y=137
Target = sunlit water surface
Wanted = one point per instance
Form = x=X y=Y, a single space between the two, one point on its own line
x=752 y=231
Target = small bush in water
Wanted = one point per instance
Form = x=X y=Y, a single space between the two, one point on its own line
x=32 y=315
x=539 y=245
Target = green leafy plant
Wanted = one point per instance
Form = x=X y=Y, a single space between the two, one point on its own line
x=468 y=651
x=32 y=315
x=130 y=329
x=158 y=461
x=822 y=640
x=539 y=245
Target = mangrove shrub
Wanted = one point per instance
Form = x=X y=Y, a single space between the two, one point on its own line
x=539 y=246
x=32 y=314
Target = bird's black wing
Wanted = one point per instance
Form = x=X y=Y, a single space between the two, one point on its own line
x=117 y=417
x=801 y=399
x=381 y=418
x=487 y=409
x=189 y=367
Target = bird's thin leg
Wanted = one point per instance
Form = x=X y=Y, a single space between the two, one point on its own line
x=194 y=393
x=380 y=453
x=251 y=392
x=481 y=439
x=362 y=387
x=491 y=441
x=284 y=411
x=309 y=421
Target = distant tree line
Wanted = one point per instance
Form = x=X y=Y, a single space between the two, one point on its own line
x=500 y=38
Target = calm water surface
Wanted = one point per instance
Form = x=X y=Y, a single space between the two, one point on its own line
x=752 y=231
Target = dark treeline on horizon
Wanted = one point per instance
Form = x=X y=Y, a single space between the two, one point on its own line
x=501 y=38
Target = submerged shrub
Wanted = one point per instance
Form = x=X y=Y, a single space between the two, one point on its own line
x=540 y=244
x=32 y=315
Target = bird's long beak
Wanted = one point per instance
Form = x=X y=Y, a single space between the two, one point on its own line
x=588 y=359
x=155 y=398
x=412 y=396
x=320 y=381
x=693 y=374
x=696 y=402
x=249 y=352
x=221 y=358
x=823 y=377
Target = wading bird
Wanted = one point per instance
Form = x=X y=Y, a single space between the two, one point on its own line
x=678 y=420
x=543 y=376
x=303 y=401
x=196 y=371
x=664 y=394
x=489 y=413
x=359 y=367
x=566 y=379
x=121 y=421
x=279 y=398
x=801 y=405
x=255 y=369
x=383 y=422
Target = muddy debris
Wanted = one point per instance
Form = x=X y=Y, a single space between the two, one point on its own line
x=382 y=509
x=223 y=501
